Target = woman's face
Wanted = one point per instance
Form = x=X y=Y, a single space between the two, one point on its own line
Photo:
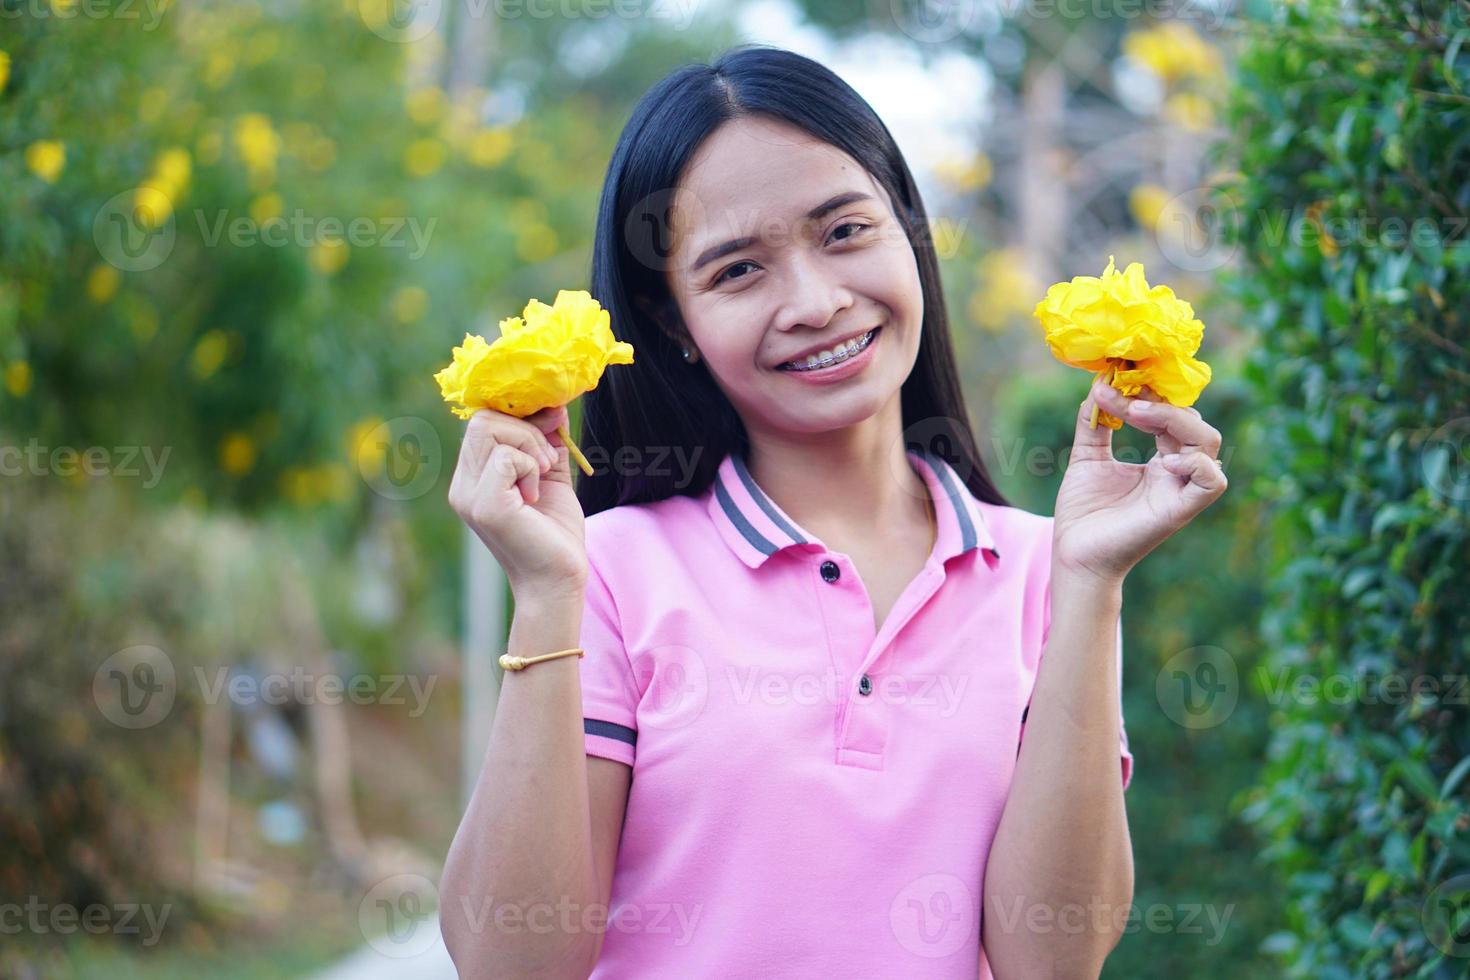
x=784 y=244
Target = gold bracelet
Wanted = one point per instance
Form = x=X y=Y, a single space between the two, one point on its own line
x=508 y=662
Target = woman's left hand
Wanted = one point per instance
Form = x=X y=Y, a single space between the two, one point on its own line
x=1109 y=514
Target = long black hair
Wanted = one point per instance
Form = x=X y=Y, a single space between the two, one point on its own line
x=641 y=414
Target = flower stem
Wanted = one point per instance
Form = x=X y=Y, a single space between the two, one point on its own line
x=1111 y=371
x=576 y=453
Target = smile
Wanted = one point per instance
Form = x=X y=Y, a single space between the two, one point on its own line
x=829 y=358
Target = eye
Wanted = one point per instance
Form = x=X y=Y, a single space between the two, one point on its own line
x=852 y=224
x=722 y=276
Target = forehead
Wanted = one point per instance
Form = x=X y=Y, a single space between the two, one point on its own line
x=752 y=171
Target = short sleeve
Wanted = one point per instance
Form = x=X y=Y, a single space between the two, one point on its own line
x=1125 y=754
x=609 y=694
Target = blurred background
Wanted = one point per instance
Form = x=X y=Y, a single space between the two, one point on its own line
x=237 y=238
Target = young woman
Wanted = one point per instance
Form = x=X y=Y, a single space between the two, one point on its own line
x=810 y=628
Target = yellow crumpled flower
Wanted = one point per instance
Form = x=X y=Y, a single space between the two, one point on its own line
x=546 y=357
x=1127 y=331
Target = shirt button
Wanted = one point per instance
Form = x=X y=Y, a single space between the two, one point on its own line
x=830 y=571
x=865 y=686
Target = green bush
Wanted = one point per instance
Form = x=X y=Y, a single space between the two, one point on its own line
x=1353 y=128
x=1193 y=856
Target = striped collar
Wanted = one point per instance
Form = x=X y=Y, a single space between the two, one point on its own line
x=755 y=528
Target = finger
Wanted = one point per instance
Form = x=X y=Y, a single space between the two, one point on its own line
x=1089 y=442
x=1176 y=429
x=509 y=468
x=1163 y=442
x=1206 y=478
x=546 y=420
x=521 y=433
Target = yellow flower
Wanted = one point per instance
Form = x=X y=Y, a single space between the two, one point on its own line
x=18 y=378
x=258 y=144
x=410 y=303
x=426 y=105
x=423 y=157
x=265 y=207
x=1146 y=202
x=237 y=454
x=153 y=202
x=328 y=256
x=966 y=174
x=4 y=69
x=173 y=167
x=546 y=357
x=1173 y=51
x=366 y=452
x=1189 y=110
x=209 y=354
x=1004 y=289
x=1135 y=334
x=45 y=158
x=102 y=282
x=490 y=146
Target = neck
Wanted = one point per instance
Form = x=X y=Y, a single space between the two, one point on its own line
x=847 y=481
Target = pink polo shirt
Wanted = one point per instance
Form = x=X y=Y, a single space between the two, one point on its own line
x=810 y=797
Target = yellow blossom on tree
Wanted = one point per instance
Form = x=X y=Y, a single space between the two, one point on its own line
x=368 y=453
x=18 y=378
x=423 y=157
x=1003 y=289
x=425 y=105
x=1189 y=110
x=1173 y=51
x=209 y=354
x=265 y=206
x=490 y=146
x=544 y=358
x=259 y=145
x=1129 y=332
x=237 y=454
x=45 y=158
x=328 y=256
x=102 y=282
x=1146 y=202
x=173 y=167
x=969 y=174
x=410 y=303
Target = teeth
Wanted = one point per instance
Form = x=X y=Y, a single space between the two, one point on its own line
x=827 y=358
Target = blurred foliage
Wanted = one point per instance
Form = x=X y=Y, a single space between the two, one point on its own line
x=1194 y=857
x=239 y=238
x=1354 y=139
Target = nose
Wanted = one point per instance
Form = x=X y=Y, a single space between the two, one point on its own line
x=814 y=293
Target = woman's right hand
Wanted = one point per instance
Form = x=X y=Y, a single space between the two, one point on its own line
x=521 y=504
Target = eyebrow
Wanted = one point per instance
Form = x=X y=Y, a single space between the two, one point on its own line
x=821 y=210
